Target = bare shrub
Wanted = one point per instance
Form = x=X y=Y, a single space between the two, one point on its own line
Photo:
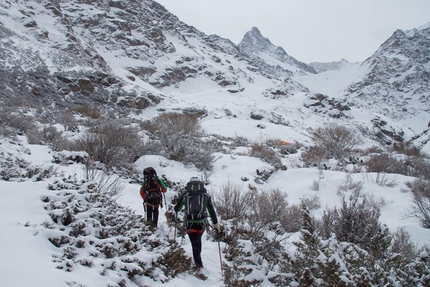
x=265 y=153
x=315 y=186
x=403 y=245
x=13 y=122
x=406 y=149
x=111 y=143
x=383 y=180
x=179 y=137
x=267 y=209
x=312 y=202
x=294 y=215
x=86 y=110
x=232 y=202
x=313 y=156
x=410 y=166
x=384 y=163
x=418 y=167
x=51 y=136
x=67 y=119
x=335 y=140
x=420 y=209
x=294 y=162
x=110 y=184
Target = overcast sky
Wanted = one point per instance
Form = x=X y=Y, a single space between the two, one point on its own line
x=308 y=30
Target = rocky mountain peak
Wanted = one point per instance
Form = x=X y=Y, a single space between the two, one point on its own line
x=253 y=42
x=397 y=83
x=258 y=47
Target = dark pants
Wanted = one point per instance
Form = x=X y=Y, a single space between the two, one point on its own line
x=195 y=232
x=152 y=206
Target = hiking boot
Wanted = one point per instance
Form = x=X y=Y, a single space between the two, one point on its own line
x=197 y=268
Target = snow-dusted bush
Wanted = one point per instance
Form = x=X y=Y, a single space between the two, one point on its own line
x=179 y=137
x=240 y=263
x=402 y=148
x=14 y=122
x=89 y=228
x=335 y=141
x=420 y=209
x=267 y=210
x=406 y=165
x=265 y=153
x=313 y=156
x=86 y=110
x=111 y=143
x=356 y=220
x=331 y=262
x=232 y=202
x=14 y=167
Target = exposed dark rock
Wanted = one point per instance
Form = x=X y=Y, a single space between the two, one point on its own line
x=195 y=112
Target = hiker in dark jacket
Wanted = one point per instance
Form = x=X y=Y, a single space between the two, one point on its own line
x=197 y=206
x=151 y=192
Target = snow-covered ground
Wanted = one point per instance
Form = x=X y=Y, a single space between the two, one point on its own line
x=27 y=253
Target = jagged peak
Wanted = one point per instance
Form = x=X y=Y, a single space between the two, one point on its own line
x=255 y=30
x=254 y=43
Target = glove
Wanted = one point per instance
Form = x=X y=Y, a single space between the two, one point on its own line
x=217 y=227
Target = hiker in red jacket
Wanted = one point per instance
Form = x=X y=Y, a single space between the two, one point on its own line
x=151 y=192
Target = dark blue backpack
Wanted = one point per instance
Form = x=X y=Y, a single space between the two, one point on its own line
x=196 y=200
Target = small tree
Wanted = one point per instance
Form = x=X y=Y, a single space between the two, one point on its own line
x=307 y=249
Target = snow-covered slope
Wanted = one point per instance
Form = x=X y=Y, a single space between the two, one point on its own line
x=28 y=204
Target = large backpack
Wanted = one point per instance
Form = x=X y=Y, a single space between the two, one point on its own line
x=151 y=187
x=196 y=200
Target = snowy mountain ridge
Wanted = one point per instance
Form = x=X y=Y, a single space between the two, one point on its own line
x=125 y=56
x=397 y=81
x=260 y=49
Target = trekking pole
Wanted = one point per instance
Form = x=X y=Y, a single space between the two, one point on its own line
x=165 y=202
x=175 y=228
x=219 y=251
x=184 y=228
x=219 y=248
x=220 y=259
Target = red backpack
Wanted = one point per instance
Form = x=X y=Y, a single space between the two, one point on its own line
x=151 y=188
